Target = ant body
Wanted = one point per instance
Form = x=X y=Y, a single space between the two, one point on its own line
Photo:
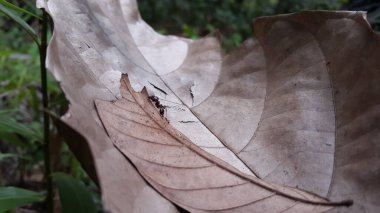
x=158 y=105
x=153 y=98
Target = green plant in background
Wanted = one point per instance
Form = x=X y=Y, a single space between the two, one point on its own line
x=198 y=17
x=11 y=197
x=74 y=196
x=290 y=6
x=233 y=18
x=24 y=84
x=371 y=6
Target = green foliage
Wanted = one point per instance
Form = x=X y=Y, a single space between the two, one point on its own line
x=5 y=8
x=19 y=78
x=18 y=9
x=9 y=126
x=12 y=197
x=199 y=18
x=290 y=6
x=6 y=155
x=371 y=6
x=233 y=18
x=21 y=125
x=26 y=137
x=75 y=198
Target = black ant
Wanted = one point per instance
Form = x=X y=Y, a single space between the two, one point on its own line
x=153 y=98
x=161 y=108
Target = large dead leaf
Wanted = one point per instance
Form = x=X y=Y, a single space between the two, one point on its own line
x=319 y=126
x=83 y=58
x=288 y=109
x=186 y=174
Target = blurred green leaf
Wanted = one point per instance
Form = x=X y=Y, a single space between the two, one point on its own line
x=21 y=22
x=190 y=32
x=236 y=39
x=6 y=112
x=18 y=9
x=75 y=198
x=6 y=53
x=6 y=155
x=12 y=197
x=10 y=125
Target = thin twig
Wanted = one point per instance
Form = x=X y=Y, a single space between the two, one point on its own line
x=45 y=103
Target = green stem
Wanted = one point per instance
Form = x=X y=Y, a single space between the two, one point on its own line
x=45 y=103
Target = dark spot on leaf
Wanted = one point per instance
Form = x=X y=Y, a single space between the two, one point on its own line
x=187 y=122
x=159 y=89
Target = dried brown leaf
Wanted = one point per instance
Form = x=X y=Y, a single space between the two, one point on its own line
x=186 y=174
x=318 y=125
x=88 y=60
x=299 y=108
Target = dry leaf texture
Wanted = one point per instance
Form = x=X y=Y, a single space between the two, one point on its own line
x=185 y=173
x=300 y=107
x=84 y=58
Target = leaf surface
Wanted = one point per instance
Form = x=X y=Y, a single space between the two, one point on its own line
x=287 y=107
x=186 y=174
x=320 y=106
x=90 y=47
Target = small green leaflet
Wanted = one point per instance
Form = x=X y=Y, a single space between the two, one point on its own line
x=12 y=197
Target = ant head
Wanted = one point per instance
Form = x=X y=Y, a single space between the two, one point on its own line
x=153 y=98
